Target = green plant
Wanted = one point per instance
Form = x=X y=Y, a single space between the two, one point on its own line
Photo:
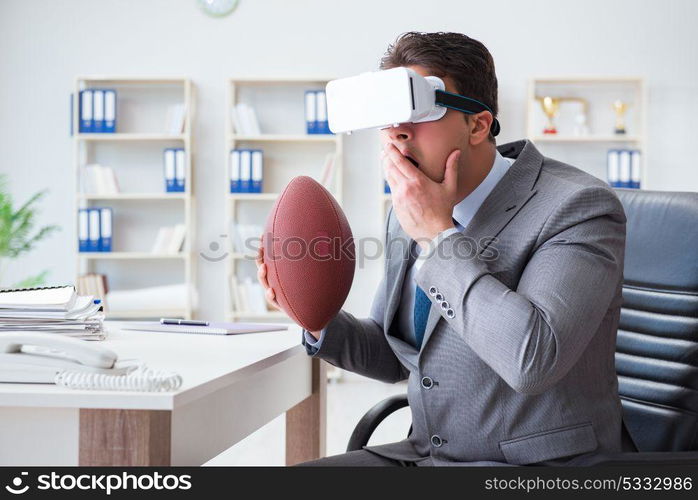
x=17 y=235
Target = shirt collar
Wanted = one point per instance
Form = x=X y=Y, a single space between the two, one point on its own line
x=464 y=211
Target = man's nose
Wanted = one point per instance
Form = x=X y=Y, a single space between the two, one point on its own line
x=401 y=133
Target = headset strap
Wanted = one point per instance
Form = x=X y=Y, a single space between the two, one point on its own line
x=465 y=105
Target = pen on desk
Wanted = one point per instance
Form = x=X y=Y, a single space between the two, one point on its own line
x=186 y=322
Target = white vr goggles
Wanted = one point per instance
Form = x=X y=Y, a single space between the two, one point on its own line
x=388 y=98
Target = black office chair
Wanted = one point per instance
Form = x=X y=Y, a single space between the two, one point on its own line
x=657 y=345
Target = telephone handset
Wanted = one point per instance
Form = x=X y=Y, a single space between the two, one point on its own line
x=79 y=364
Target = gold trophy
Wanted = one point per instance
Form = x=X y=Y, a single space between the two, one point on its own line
x=620 y=108
x=550 y=105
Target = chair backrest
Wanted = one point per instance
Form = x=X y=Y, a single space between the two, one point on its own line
x=657 y=346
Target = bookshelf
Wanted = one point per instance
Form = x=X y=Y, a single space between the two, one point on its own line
x=135 y=153
x=288 y=151
x=592 y=96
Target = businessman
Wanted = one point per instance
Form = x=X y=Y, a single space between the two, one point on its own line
x=502 y=290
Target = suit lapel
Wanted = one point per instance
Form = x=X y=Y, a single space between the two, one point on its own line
x=400 y=257
x=510 y=194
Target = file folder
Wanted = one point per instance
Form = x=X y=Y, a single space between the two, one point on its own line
x=234 y=171
x=85 y=111
x=613 y=168
x=624 y=168
x=245 y=171
x=83 y=235
x=310 y=112
x=180 y=170
x=105 y=229
x=93 y=229
x=257 y=170
x=635 y=169
x=98 y=111
x=110 y=111
x=169 y=161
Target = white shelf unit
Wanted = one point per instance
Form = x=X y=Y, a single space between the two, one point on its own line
x=121 y=144
x=588 y=152
x=282 y=136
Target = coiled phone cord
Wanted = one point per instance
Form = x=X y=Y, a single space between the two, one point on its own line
x=140 y=378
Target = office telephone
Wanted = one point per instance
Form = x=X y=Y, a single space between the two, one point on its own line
x=53 y=359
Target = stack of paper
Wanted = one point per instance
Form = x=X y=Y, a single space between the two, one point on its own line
x=57 y=310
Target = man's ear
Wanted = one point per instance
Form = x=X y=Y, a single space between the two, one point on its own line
x=479 y=124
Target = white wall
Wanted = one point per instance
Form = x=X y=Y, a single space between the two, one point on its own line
x=44 y=44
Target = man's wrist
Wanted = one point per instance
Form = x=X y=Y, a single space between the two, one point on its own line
x=430 y=243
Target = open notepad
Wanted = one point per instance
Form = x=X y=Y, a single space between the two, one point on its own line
x=212 y=329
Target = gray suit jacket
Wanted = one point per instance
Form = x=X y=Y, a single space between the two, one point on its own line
x=517 y=363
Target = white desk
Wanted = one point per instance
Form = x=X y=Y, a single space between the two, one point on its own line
x=232 y=385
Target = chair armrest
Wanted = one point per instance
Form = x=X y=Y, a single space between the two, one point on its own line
x=639 y=458
x=373 y=417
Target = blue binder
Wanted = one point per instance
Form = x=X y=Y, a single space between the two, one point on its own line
x=310 y=112
x=93 y=230
x=235 y=170
x=322 y=125
x=83 y=230
x=97 y=111
x=635 y=169
x=386 y=187
x=624 y=168
x=105 y=229
x=245 y=171
x=168 y=160
x=86 y=116
x=257 y=170
x=180 y=170
x=110 y=111
x=613 y=168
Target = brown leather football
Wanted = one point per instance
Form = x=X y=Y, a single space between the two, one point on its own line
x=309 y=253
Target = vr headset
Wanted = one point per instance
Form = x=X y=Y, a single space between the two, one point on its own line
x=388 y=98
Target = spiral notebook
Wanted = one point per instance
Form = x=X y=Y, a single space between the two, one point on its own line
x=49 y=298
x=219 y=328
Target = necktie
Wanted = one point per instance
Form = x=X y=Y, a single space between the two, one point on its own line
x=422 y=304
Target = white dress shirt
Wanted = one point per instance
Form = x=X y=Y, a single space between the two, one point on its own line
x=463 y=213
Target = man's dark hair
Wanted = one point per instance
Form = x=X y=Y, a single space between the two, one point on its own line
x=464 y=59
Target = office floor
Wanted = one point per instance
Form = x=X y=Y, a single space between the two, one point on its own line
x=348 y=398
